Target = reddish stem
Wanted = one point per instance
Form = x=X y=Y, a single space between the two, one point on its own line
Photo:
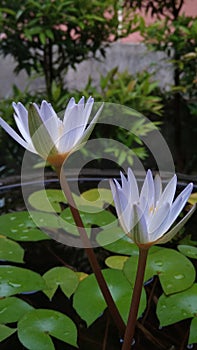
x=90 y=254
x=130 y=328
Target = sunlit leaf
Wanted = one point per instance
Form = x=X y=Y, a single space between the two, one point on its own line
x=193 y=198
x=63 y=277
x=116 y=261
x=5 y=332
x=88 y=299
x=19 y=226
x=10 y=251
x=36 y=327
x=47 y=200
x=96 y=197
x=12 y=309
x=15 y=280
x=176 y=273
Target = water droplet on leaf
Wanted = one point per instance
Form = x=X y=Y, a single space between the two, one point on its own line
x=179 y=276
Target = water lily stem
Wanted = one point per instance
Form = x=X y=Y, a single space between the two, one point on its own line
x=90 y=254
x=130 y=328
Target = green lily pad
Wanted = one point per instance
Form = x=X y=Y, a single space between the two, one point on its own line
x=12 y=309
x=63 y=277
x=193 y=331
x=100 y=218
x=115 y=240
x=178 y=307
x=188 y=250
x=47 y=200
x=81 y=275
x=176 y=273
x=15 y=280
x=36 y=327
x=19 y=226
x=193 y=198
x=96 y=197
x=88 y=300
x=5 y=332
x=116 y=261
x=10 y=251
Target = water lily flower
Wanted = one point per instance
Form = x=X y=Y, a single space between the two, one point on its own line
x=44 y=133
x=146 y=216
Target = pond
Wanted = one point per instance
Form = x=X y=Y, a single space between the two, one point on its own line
x=43 y=255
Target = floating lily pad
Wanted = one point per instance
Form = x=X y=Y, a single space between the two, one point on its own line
x=90 y=304
x=115 y=240
x=5 y=332
x=178 y=307
x=63 y=277
x=10 y=251
x=188 y=250
x=193 y=198
x=19 y=226
x=15 y=280
x=96 y=197
x=47 y=200
x=100 y=218
x=36 y=327
x=193 y=331
x=176 y=273
x=116 y=261
x=12 y=309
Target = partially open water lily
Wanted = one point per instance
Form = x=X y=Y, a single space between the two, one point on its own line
x=44 y=133
x=147 y=215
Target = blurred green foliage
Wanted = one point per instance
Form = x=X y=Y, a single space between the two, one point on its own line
x=47 y=36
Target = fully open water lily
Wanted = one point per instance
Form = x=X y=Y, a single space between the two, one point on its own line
x=147 y=215
x=44 y=133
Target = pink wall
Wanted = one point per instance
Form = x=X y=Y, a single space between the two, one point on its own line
x=189 y=8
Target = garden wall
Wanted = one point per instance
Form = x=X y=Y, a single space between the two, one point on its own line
x=130 y=56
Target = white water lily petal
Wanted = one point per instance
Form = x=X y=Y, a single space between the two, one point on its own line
x=16 y=137
x=147 y=194
x=158 y=188
x=149 y=218
x=134 y=192
x=169 y=191
x=170 y=234
x=50 y=137
x=139 y=232
x=119 y=204
x=177 y=207
x=89 y=129
x=22 y=114
x=24 y=132
x=158 y=218
x=50 y=119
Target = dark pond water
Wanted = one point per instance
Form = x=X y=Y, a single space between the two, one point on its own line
x=102 y=335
